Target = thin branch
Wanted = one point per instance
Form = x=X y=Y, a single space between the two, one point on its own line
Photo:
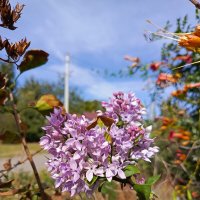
x=26 y=149
x=19 y=163
x=196 y=3
x=11 y=192
x=8 y=61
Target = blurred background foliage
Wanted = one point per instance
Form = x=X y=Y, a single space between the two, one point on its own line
x=27 y=94
x=174 y=88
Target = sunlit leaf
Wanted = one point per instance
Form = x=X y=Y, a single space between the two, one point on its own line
x=33 y=59
x=108 y=137
x=189 y=195
x=46 y=104
x=100 y=123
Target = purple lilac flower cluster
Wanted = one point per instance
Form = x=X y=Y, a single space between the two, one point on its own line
x=81 y=156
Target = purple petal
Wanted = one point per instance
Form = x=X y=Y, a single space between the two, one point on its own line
x=109 y=173
x=58 y=182
x=76 y=156
x=44 y=140
x=76 y=177
x=73 y=164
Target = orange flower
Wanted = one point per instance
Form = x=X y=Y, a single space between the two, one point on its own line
x=178 y=93
x=186 y=58
x=181 y=156
x=190 y=41
x=167 y=121
x=164 y=78
x=195 y=194
x=193 y=85
x=177 y=162
x=181 y=134
x=181 y=112
x=197 y=30
x=156 y=65
x=162 y=128
x=135 y=60
x=185 y=143
x=187 y=133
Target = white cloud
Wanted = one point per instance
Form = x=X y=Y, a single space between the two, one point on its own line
x=98 y=32
x=95 y=87
x=95 y=26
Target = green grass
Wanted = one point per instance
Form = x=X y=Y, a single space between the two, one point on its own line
x=11 y=150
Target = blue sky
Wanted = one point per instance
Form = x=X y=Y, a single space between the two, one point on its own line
x=97 y=34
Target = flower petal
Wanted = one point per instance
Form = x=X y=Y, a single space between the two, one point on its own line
x=121 y=174
x=89 y=175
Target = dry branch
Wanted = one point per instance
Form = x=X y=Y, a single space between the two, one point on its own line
x=196 y=3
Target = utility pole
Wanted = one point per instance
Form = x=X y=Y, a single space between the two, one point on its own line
x=66 y=87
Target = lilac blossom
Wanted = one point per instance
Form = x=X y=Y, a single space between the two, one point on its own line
x=124 y=107
x=81 y=157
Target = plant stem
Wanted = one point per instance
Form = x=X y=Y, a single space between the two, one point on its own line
x=124 y=181
x=26 y=149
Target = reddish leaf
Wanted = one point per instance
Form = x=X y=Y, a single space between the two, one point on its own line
x=33 y=59
x=106 y=121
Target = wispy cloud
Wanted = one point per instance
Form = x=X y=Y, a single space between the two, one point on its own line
x=93 y=86
x=97 y=34
x=93 y=26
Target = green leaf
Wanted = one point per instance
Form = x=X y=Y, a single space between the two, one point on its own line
x=143 y=191
x=131 y=170
x=189 y=195
x=108 y=190
x=120 y=123
x=33 y=59
x=152 y=180
x=174 y=195
x=92 y=181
